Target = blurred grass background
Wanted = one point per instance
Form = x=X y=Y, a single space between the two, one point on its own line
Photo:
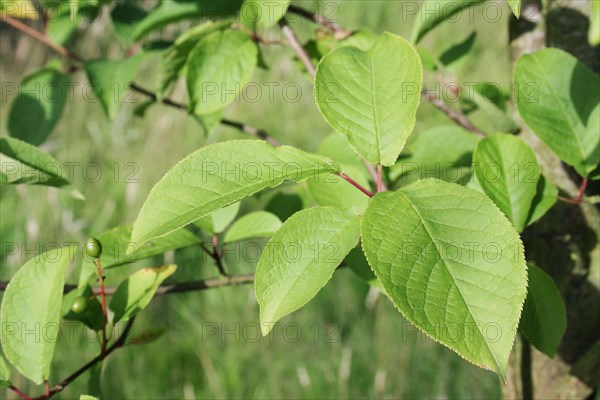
x=371 y=352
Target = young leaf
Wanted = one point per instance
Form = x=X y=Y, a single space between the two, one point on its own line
x=335 y=191
x=110 y=81
x=134 y=293
x=32 y=303
x=357 y=98
x=146 y=336
x=544 y=319
x=453 y=264
x=39 y=105
x=218 y=68
x=545 y=198
x=166 y=11
x=559 y=101
x=216 y=176
x=23 y=163
x=254 y=225
x=118 y=250
x=218 y=221
x=434 y=12
x=177 y=55
x=301 y=258
x=515 y=6
x=458 y=51
x=508 y=172
x=261 y=14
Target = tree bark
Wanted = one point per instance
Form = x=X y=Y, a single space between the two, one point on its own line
x=565 y=242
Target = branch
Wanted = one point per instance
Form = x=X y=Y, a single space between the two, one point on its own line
x=245 y=128
x=355 y=184
x=457 y=116
x=338 y=31
x=175 y=287
x=15 y=23
x=62 y=385
x=297 y=46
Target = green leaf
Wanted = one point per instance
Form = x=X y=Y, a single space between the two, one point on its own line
x=218 y=175
x=218 y=221
x=495 y=117
x=544 y=319
x=515 y=6
x=545 y=197
x=146 y=336
x=508 y=172
x=443 y=152
x=594 y=32
x=559 y=101
x=218 y=69
x=87 y=397
x=32 y=303
x=134 y=293
x=21 y=162
x=176 y=56
x=117 y=249
x=22 y=9
x=110 y=81
x=336 y=147
x=457 y=52
x=62 y=21
x=434 y=12
x=39 y=105
x=301 y=258
x=453 y=264
x=125 y=17
x=254 y=225
x=285 y=205
x=261 y=14
x=92 y=317
x=357 y=98
x=4 y=370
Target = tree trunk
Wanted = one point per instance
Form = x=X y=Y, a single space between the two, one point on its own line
x=565 y=242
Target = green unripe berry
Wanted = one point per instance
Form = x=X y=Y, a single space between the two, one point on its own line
x=93 y=248
x=80 y=305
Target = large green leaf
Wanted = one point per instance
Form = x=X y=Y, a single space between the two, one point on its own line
x=253 y=225
x=177 y=55
x=301 y=258
x=21 y=162
x=134 y=293
x=443 y=152
x=508 y=172
x=110 y=81
x=218 y=175
x=371 y=97
x=560 y=101
x=218 y=69
x=544 y=319
x=434 y=12
x=260 y=14
x=453 y=264
x=39 y=105
x=30 y=313
x=118 y=250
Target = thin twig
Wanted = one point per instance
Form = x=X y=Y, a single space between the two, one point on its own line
x=379 y=178
x=526 y=381
x=456 y=116
x=355 y=184
x=19 y=393
x=373 y=174
x=339 y=32
x=217 y=256
x=41 y=37
x=245 y=128
x=297 y=46
x=580 y=194
x=175 y=287
x=62 y=385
